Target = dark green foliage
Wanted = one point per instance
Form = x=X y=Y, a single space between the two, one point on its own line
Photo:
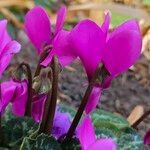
x=20 y=133
x=15 y=129
x=42 y=142
x=109 y=119
x=71 y=145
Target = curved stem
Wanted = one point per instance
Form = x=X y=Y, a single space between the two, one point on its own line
x=53 y=101
x=83 y=104
x=145 y=115
x=28 y=109
x=42 y=57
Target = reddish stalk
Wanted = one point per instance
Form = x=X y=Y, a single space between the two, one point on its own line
x=83 y=103
x=42 y=57
x=53 y=101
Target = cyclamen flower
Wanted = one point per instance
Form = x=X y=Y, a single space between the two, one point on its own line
x=16 y=93
x=8 y=47
x=88 y=139
x=147 y=138
x=38 y=29
x=117 y=51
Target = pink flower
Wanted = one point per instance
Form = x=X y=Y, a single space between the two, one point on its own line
x=117 y=51
x=38 y=29
x=16 y=93
x=147 y=138
x=87 y=137
x=8 y=47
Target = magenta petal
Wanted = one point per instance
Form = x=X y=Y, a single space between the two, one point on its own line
x=38 y=107
x=105 y=25
x=3 y=24
x=38 y=27
x=93 y=99
x=7 y=91
x=7 y=54
x=121 y=51
x=4 y=62
x=60 y=19
x=126 y=26
x=4 y=36
x=11 y=48
x=20 y=100
x=61 y=48
x=103 y=144
x=147 y=138
x=86 y=133
x=88 y=41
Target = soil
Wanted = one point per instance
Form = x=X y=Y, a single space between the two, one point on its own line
x=123 y=95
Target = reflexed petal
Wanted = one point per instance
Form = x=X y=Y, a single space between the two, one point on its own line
x=122 y=50
x=147 y=138
x=11 y=48
x=61 y=48
x=38 y=27
x=86 y=133
x=60 y=19
x=38 y=107
x=93 y=99
x=88 y=41
x=20 y=100
x=126 y=26
x=103 y=144
x=7 y=54
x=61 y=124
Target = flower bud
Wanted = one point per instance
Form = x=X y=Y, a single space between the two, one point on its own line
x=41 y=83
x=19 y=74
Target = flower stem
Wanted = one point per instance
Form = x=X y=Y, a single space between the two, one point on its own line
x=53 y=101
x=28 y=109
x=83 y=104
x=145 y=115
x=42 y=57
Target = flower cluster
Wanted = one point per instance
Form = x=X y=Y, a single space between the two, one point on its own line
x=104 y=56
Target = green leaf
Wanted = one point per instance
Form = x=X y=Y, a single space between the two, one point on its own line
x=103 y=118
x=42 y=142
x=8 y=114
x=113 y=126
x=127 y=139
x=130 y=140
x=16 y=129
x=73 y=144
x=105 y=133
